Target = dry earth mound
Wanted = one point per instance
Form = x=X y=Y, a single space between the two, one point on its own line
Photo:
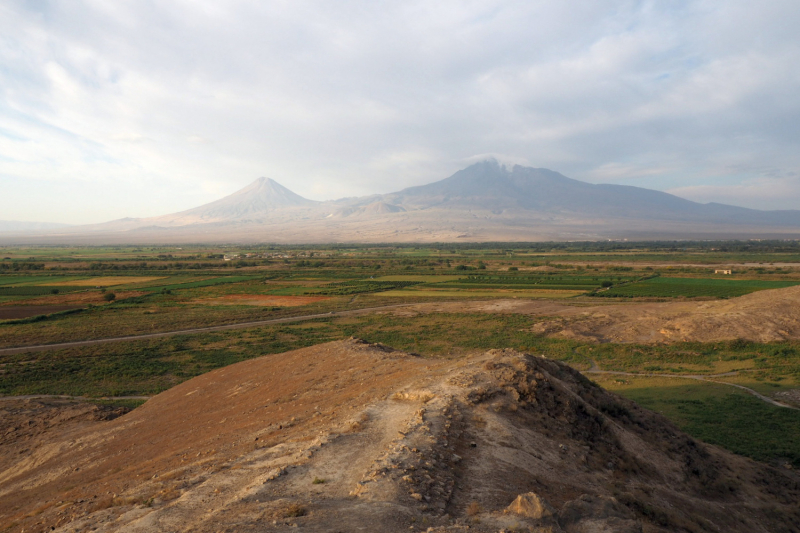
x=763 y=316
x=349 y=436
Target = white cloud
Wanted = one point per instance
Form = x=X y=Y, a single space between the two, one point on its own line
x=160 y=106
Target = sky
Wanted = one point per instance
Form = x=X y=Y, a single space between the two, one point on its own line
x=125 y=108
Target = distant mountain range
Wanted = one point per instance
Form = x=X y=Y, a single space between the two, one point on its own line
x=484 y=202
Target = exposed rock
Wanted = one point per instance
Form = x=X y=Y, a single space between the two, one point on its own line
x=531 y=505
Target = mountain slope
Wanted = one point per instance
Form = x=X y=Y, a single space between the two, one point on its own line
x=348 y=436
x=257 y=201
x=491 y=186
x=483 y=202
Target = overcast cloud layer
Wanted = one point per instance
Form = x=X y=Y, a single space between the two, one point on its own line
x=115 y=108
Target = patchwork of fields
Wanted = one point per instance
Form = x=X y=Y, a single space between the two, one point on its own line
x=58 y=295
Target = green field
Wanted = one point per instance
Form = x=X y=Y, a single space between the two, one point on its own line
x=713 y=412
x=666 y=287
x=7 y=280
x=36 y=290
x=200 y=283
x=719 y=414
x=199 y=288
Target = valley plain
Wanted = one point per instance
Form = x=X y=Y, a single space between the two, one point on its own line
x=717 y=354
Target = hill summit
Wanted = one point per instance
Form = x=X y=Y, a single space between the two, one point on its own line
x=350 y=436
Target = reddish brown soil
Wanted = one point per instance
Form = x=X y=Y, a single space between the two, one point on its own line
x=203 y=423
x=348 y=436
x=262 y=300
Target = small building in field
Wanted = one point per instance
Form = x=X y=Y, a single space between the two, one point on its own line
x=723 y=272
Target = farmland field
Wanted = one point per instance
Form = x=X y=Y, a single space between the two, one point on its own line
x=694 y=287
x=430 y=292
x=718 y=414
x=108 y=292
x=200 y=283
x=105 y=281
x=36 y=290
x=6 y=280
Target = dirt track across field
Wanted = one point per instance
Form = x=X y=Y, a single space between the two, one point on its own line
x=764 y=316
x=697 y=378
x=241 y=325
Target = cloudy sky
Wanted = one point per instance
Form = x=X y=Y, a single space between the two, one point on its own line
x=139 y=108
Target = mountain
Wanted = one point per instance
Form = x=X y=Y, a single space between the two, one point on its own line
x=255 y=202
x=352 y=436
x=491 y=186
x=484 y=202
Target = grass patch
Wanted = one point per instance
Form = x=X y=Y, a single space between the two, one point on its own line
x=419 y=277
x=719 y=414
x=201 y=283
x=128 y=403
x=105 y=281
x=40 y=279
x=429 y=292
x=665 y=287
x=148 y=367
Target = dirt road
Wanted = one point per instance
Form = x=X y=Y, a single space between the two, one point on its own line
x=241 y=325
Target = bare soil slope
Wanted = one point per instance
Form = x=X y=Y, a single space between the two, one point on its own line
x=763 y=316
x=348 y=436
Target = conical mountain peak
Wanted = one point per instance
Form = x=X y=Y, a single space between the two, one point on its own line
x=488 y=200
x=255 y=201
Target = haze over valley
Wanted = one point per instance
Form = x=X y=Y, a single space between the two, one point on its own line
x=486 y=201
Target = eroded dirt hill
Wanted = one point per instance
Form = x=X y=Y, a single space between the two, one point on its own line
x=763 y=316
x=349 y=436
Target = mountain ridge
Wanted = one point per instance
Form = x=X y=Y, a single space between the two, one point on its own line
x=486 y=201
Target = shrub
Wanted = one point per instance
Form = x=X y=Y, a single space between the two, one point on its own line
x=109 y=297
x=294 y=510
x=474 y=509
